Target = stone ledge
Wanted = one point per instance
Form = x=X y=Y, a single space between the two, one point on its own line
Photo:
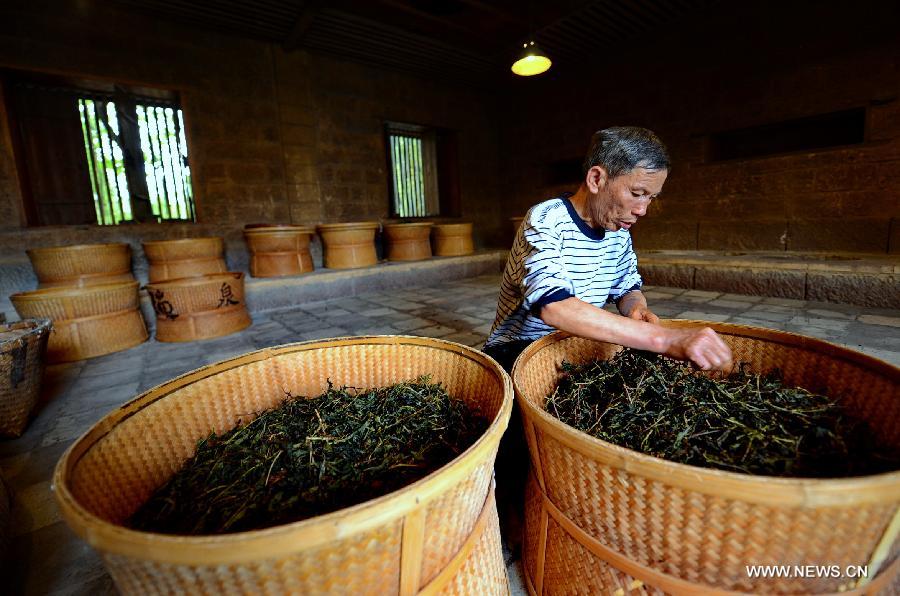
x=265 y=294
x=865 y=280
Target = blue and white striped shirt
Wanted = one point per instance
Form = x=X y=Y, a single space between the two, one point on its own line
x=555 y=256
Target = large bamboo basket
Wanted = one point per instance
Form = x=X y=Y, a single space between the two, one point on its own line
x=437 y=535
x=601 y=517
x=202 y=307
x=279 y=250
x=23 y=347
x=188 y=257
x=349 y=245
x=87 y=322
x=408 y=241
x=81 y=264
x=452 y=240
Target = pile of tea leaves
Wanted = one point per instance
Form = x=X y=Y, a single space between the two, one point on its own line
x=310 y=456
x=742 y=422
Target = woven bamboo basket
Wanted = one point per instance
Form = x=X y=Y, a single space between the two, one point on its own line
x=452 y=240
x=87 y=322
x=81 y=264
x=408 y=241
x=279 y=250
x=23 y=347
x=516 y=223
x=601 y=518
x=349 y=245
x=437 y=535
x=194 y=308
x=188 y=257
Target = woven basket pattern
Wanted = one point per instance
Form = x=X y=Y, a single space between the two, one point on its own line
x=59 y=304
x=484 y=571
x=186 y=248
x=408 y=242
x=269 y=240
x=82 y=264
x=78 y=339
x=450 y=519
x=21 y=370
x=369 y=563
x=707 y=531
x=200 y=294
x=451 y=240
x=348 y=246
x=112 y=470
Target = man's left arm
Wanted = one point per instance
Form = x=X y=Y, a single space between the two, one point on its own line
x=634 y=306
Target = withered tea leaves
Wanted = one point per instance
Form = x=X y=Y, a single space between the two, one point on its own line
x=311 y=456
x=743 y=422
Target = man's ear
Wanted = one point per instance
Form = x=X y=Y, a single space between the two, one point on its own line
x=596 y=179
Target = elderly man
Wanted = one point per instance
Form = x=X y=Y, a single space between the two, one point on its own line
x=573 y=254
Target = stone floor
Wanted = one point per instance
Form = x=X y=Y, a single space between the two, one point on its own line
x=46 y=558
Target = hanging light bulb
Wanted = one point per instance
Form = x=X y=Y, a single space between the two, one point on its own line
x=532 y=61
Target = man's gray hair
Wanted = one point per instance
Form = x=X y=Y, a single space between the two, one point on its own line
x=620 y=149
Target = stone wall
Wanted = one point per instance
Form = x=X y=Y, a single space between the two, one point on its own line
x=750 y=66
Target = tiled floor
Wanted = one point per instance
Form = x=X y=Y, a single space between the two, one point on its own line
x=45 y=557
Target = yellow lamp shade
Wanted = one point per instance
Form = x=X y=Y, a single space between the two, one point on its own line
x=532 y=61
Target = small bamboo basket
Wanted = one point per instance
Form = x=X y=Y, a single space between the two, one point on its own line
x=23 y=347
x=188 y=257
x=279 y=250
x=349 y=245
x=195 y=308
x=601 y=518
x=439 y=535
x=81 y=264
x=87 y=322
x=408 y=241
x=452 y=240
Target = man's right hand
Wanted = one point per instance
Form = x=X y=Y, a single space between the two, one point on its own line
x=700 y=345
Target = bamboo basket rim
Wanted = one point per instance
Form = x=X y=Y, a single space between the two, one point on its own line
x=804 y=492
x=456 y=224
x=279 y=229
x=76 y=247
x=275 y=541
x=194 y=280
x=417 y=224
x=32 y=325
x=68 y=291
x=361 y=225
x=177 y=241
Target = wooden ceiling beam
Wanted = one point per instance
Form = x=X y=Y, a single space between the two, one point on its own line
x=308 y=10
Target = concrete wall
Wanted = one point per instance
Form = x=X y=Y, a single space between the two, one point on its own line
x=273 y=136
x=768 y=64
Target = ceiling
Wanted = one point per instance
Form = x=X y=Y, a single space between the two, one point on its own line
x=468 y=40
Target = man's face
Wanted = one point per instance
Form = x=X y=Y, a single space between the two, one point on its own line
x=620 y=201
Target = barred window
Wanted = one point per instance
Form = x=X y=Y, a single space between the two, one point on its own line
x=414 y=181
x=99 y=153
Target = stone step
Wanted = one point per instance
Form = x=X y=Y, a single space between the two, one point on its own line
x=845 y=278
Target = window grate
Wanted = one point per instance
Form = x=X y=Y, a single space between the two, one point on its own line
x=164 y=148
x=408 y=176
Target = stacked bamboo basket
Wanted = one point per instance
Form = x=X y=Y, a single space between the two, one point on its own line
x=204 y=300
x=90 y=295
x=407 y=241
x=452 y=239
x=278 y=250
x=602 y=519
x=437 y=535
x=349 y=245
